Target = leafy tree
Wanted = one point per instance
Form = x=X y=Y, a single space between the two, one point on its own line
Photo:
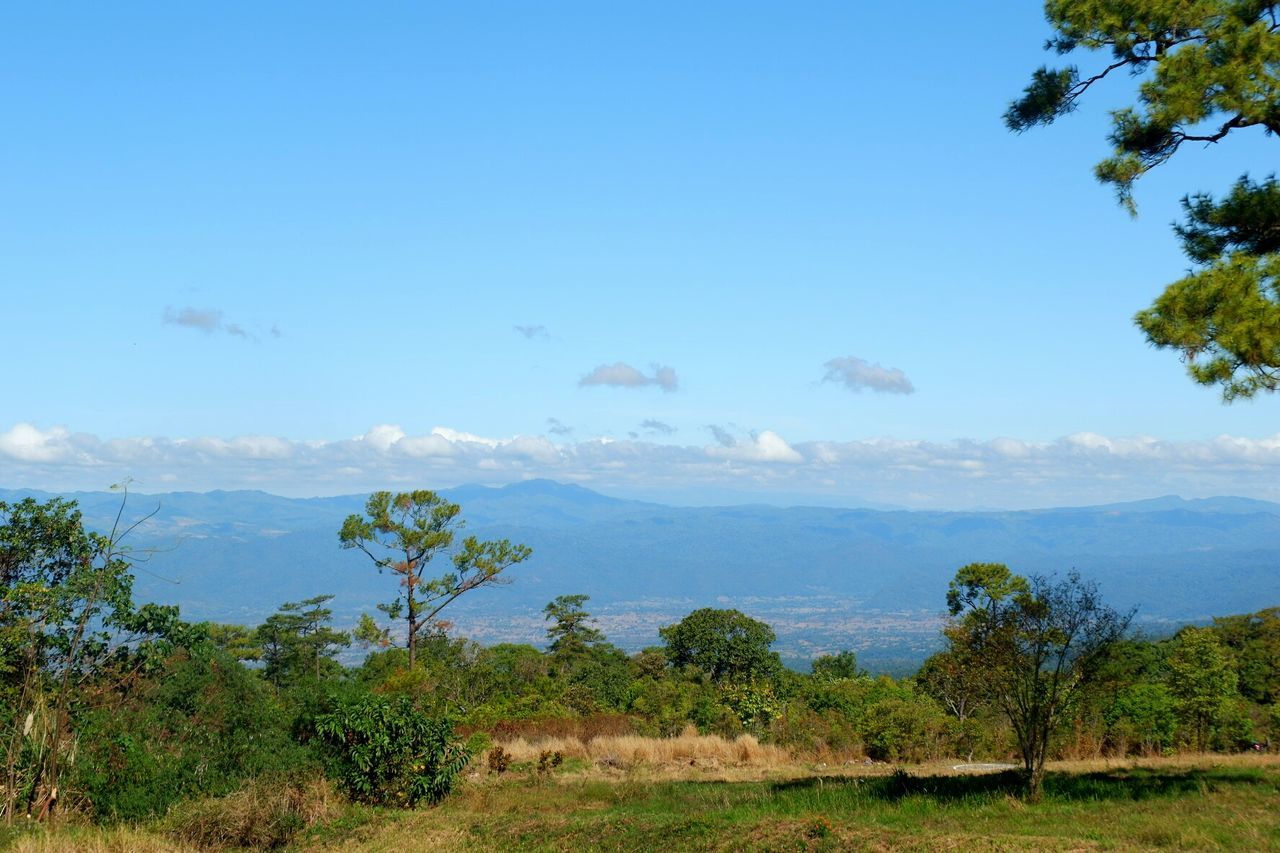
x=952 y=677
x=1208 y=69
x=403 y=533
x=728 y=645
x=570 y=634
x=1035 y=642
x=1145 y=713
x=68 y=632
x=1254 y=641
x=1202 y=679
x=237 y=641
x=842 y=665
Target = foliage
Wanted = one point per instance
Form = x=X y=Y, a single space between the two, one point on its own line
x=726 y=644
x=403 y=533
x=1036 y=642
x=841 y=665
x=1144 y=714
x=1254 y=642
x=387 y=752
x=1208 y=69
x=200 y=726
x=297 y=641
x=1203 y=680
x=570 y=633
x=69 y=633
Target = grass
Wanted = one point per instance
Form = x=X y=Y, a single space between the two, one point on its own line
x=1193 y=802
x=627 y=751
x=1214 y=804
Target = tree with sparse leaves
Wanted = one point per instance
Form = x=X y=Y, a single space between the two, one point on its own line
x=1035 y=643
x=403 y=533
x=1207 y=69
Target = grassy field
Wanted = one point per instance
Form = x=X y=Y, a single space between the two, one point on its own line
x=1191 y=803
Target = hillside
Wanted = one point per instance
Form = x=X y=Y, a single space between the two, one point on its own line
x=825 y=578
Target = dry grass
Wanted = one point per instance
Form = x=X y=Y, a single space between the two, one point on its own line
x=263 y=814
x=95 y=840
x=625 y=751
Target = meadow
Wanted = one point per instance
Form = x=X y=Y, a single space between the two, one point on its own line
x=730 y=798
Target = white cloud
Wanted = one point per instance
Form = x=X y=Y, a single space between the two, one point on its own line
x=1010 y=472
x=27 y=443
x=856 y=374
x=622 y=375
x=765 y=446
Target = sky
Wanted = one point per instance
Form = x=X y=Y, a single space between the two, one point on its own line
x=714 y=252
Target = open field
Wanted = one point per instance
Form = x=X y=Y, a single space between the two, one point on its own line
x=1190 y=802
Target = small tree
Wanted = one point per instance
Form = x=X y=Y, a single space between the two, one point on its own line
x=1203 y=680
x=1035 y=643
x=297 y=639
x=403 y=533
x=571 y=632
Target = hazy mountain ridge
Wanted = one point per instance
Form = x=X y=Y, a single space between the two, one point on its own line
x=826 y=578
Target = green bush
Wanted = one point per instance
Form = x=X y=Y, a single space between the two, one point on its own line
x=199 y=728
x=385 y=751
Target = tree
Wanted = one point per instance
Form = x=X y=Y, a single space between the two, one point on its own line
x=726 y=644
x=297 y=639
x=1254 y=640
x=570 y=634
x=68 y=630
x=403 y=533
x=1035 y=642
x=842 y=665
x=1209 y=69
x=1202 y=679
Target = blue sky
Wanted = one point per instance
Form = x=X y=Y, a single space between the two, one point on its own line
x=254 y=245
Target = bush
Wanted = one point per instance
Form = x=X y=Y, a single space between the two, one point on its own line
x=202 y=727
x=385 y=751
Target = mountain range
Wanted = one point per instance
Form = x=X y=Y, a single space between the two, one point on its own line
x=871 y=580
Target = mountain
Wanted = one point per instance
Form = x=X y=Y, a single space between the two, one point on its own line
x=825 y=578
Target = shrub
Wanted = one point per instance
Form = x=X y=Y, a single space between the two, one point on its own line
x=385 y=751
x=499 y=760
x=202 y=727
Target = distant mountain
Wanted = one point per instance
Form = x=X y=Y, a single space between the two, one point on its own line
x=826 y=578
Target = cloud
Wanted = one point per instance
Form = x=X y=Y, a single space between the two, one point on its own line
x=210 y=321
x=856 y=374
x=622 y=375
x=722 y=436
x=655 y=426
x=206 y=320
x=556 y=427
x=25 y=443
x=1080 y=468
x=531 y=332
x=765 y=446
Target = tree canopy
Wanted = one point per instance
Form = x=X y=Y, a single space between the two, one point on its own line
x=1206 y=69
x=726 y=644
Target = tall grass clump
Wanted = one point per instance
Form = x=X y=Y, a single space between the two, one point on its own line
x=265 y=814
